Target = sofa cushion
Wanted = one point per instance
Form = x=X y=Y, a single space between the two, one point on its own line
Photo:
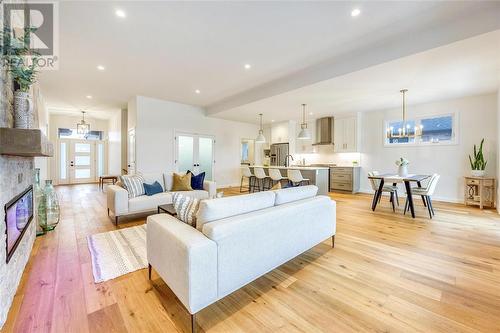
x=133 y=184
x=146 y=203
x=150 y=178
x=197 y=181
x=216 y=209
x=154 y=188
x=198 y=194
x=182 y=182
x=186 y=208
x=290 y=194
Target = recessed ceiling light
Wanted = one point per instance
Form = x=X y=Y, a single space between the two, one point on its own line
x=120 y=13
x=247 y=66
x=310 y=113
x=197 y=91
x=89 y=96
x=355 y=12
x=272 y=121
x=100 y=67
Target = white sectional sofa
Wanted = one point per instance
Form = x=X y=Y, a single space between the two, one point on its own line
x=120 y=204
x=237 y=240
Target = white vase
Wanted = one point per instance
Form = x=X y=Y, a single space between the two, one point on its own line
x=478 y=173
x=403 y=171
x=23 y=109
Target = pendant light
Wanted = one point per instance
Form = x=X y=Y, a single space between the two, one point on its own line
x=83 y=127
x=260 y=138
x=304 y=133
x=404 y=131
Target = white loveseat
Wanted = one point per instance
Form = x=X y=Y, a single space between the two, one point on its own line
x=237 y=240
x=120 y=204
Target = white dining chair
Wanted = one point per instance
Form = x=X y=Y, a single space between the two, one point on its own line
x=391 y=189
x=246 y=173
x=262 y=179
x=295 y=177
x=276 y=177
x=426 y=193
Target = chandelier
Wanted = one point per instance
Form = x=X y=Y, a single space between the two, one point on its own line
x=304 y=134
x=83 y=127
x=404 y=132
x=260 y=138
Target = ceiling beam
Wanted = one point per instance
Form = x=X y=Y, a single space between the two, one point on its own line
x=406 y=40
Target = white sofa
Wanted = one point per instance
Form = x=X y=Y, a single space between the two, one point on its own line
x=237 y=240
x=121 y=205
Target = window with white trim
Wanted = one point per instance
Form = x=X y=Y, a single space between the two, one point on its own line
x=436 y=129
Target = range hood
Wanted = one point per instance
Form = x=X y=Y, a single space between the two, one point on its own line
x=324 y=131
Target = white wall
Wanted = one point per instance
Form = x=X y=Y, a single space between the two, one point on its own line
x=114 y=144
x=498 y=150
x=42 y=163
x=157 y=120
x=477 y=118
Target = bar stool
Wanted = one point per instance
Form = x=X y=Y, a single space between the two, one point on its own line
x=295 y=177
x=276 y=177
x=261 y=178
x=246 y=173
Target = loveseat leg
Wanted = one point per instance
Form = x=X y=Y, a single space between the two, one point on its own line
x=193 y=323
x=108 y=211
x=333 y=241
x=149 y=271
x=116 y=220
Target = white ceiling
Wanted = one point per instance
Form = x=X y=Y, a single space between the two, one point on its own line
x=468 y=67
x=168 y=50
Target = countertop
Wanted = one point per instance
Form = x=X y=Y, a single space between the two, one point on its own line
x=290 y=167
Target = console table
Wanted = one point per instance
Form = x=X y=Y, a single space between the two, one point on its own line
x=480 y=191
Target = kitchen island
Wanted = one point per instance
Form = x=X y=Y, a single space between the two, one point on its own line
x=317 y=175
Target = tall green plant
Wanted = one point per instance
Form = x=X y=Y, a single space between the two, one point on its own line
x=20 y=59
x=478 y=162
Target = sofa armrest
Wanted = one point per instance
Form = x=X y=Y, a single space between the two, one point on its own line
x=185 y=259
x=117 y=199
x=211 y=188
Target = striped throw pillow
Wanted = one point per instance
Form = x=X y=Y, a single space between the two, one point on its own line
x=186 y=208
x=133 y=184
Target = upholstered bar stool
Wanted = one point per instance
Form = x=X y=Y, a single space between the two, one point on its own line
x=276 y=177
x=296 y=179
x=262 y=179
x=247 y=174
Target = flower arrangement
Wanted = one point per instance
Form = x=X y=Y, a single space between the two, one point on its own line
x=402 y=162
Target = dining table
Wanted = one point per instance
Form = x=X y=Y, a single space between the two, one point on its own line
x=395 y=179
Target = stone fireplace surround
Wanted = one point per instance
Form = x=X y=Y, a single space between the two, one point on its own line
x=16 y=174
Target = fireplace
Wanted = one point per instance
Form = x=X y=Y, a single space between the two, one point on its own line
x=18 y=216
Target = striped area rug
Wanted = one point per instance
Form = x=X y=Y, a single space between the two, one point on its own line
x=118 y=252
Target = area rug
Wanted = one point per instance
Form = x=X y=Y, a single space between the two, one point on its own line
x=118 y=252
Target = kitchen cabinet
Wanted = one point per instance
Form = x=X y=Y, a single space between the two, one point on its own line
x=284 y=132
x=345 y=179
x=345 y=135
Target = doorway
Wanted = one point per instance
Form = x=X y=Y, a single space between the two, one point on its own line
x=196 y=153
x=81 y=161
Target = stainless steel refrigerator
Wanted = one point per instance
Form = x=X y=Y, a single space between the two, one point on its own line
x=278 y=154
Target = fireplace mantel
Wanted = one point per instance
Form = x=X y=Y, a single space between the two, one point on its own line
x=24 y=142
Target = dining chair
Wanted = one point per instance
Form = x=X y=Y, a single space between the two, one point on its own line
x=276 y=177
x=295 y=177
x=426 y=193
x=262 y=179
x=246 y=173
x=391 y=189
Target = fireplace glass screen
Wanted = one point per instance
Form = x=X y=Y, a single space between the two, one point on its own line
x=18 y=215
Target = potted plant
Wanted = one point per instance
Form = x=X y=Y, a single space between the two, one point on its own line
x=22 y=63
x=402 y=164
x=477 y=163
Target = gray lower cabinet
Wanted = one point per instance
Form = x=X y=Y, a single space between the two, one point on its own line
x=344 y=179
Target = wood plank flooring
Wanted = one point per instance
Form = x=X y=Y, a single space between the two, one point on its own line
x=387 y=273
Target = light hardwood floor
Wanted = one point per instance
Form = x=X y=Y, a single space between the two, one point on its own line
x=387 y=273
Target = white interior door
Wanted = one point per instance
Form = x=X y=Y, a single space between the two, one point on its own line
x=196 y=153
x=131 y=152
x=82 y=162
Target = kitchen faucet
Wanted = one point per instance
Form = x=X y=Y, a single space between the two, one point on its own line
x=286 y=160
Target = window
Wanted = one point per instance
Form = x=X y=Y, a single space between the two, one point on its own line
x=66 y=133
x=435 y=130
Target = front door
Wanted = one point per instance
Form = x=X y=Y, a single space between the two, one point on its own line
x=82 y=167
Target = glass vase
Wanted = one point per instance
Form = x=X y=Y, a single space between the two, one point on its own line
x=38 y=192
x=48 y=210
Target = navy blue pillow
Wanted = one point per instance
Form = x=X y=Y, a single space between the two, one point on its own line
x=154 y=188
x=197 y=181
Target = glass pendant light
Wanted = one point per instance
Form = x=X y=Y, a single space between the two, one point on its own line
x=304 y=133
x=260 y=138
x=83 y=127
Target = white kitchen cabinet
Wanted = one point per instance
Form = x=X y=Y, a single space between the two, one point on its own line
x=345 y=135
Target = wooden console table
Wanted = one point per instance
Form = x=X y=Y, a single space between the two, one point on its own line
x=480 y=191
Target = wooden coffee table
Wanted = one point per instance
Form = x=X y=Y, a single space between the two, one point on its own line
x=169 y=209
